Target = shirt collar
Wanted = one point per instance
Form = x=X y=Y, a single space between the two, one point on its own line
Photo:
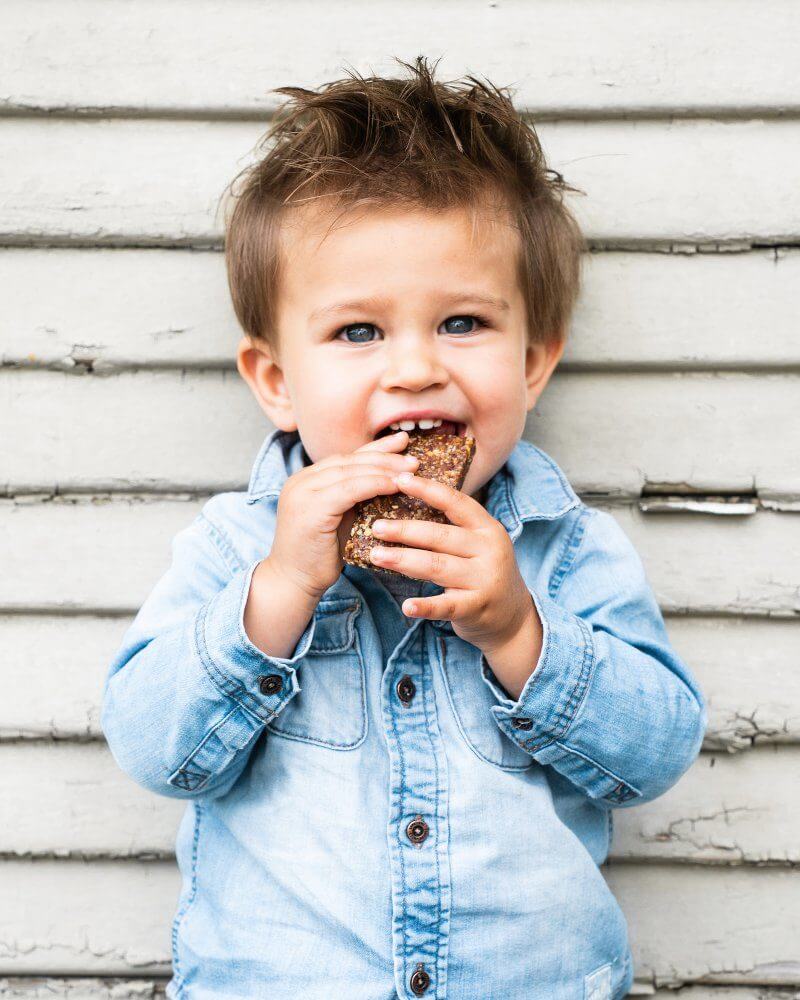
x=528 y=487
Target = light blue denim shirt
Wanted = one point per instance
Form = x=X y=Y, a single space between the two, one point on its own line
x=373 y=817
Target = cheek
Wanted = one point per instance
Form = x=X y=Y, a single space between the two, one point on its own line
x=329 y=405
x=503 y=390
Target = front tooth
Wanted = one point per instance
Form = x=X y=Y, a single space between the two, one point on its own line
x=406 y=425
x=437 y=423
x=426 y=424
x=395 y=426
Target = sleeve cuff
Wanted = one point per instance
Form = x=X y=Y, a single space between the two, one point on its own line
x=552 y=694
x=261 y=683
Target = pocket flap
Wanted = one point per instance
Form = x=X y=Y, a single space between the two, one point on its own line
x=334 y=631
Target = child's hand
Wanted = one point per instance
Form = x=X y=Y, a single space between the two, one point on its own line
x=486 y=598
x=315 y=515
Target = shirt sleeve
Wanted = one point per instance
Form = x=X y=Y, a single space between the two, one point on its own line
x=609 y=704
x=188 y=694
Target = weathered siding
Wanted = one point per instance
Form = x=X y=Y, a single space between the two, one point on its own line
x=681 y=380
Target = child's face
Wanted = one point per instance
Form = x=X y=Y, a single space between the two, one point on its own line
x=394 y=311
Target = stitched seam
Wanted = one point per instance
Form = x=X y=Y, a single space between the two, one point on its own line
x=212 y=732
x=488 y=760
x=223 y=543
x=318 y=740
x=599 y=767
x=179 y=917
x=426 y=682
x=622 y=992
x=227 y=685
x=573 y=701
x=569 y=552
x=398 y=835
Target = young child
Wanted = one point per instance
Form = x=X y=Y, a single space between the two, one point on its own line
x=401 y=784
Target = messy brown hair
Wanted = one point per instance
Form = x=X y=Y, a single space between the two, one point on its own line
x=416 y=142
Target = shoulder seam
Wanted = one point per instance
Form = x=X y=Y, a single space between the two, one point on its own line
x=570 y=549
x=222 y=543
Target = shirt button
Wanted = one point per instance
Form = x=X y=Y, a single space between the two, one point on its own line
x=270 y=683
x=417 y=830
x=420 y=980
x=406 y=689
x=521 y=723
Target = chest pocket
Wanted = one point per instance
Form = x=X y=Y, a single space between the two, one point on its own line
x=471 y=699
x=330 y=707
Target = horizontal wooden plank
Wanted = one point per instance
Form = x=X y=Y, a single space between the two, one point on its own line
x=107 y=555
x=725 y=809
x=127 y=307
x=612 y=433
x=82 y=57
x=72 y=799
x=748 y=671
x=116 y=181
x=50 y=988
x=746 y=667
x=685 y=922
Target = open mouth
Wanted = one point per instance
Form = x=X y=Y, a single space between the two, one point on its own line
x=422 y=427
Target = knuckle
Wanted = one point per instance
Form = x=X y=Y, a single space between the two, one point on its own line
x=437 y=563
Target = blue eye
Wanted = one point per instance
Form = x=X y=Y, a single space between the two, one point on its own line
x=359 y=333
x=359 y=329
x=459 y=323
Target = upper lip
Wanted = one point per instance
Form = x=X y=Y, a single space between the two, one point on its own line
x=417 y=415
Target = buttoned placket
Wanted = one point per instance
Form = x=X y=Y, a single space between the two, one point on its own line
x=418 y=832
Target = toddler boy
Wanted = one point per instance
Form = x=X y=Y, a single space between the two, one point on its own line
x=401 y=781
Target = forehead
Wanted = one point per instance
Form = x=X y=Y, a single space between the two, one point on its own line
x=321 y=244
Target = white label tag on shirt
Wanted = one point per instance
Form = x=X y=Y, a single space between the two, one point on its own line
x=597 y=985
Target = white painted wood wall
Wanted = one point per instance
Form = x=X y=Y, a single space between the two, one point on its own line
x=120 y=410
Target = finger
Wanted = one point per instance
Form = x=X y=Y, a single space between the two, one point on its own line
x=419 y=564
x=458 y=507
x=441 y=607
x=326 y=478
x=390 y=453
x=323 y=476
x=389 y=442
x=429 y=535
x=341 y=494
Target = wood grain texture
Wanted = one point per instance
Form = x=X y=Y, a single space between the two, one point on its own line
x=84 y=56
x=160 y=182
x=112 y=309
x=686 y=922
x=611 y=433
x=71 y=799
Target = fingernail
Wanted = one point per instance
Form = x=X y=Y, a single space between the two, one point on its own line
x=378 y=525
x=404 y=478
x=411 y=459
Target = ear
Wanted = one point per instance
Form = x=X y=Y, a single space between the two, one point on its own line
x=258 y=366
x=540 y=362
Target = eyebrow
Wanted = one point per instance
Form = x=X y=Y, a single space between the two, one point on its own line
x=376 y=303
